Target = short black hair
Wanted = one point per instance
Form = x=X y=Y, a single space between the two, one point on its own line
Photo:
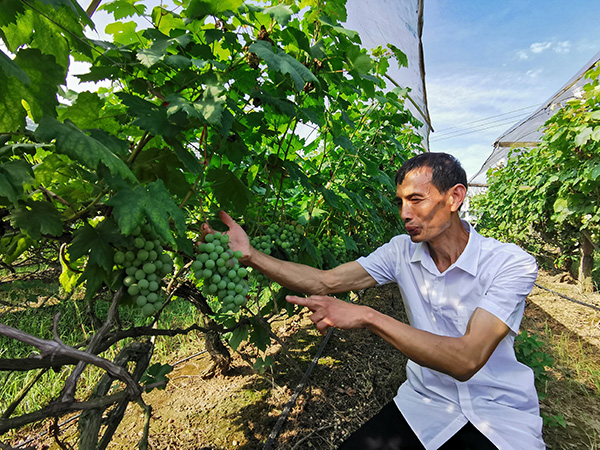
x=446 y=170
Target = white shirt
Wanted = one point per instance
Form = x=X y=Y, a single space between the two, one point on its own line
x=500 y=400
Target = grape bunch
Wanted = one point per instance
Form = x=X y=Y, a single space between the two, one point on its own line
x=284 y=236
x=146 y=264
x=220 y=269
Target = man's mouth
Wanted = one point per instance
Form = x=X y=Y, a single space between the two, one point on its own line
x=411 y=230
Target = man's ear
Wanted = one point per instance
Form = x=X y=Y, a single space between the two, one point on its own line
x=458 y=193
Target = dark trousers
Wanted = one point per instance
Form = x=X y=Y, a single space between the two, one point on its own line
x=388 y=430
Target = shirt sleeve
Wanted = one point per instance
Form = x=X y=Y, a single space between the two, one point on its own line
x=381 y=264
x=505 y=298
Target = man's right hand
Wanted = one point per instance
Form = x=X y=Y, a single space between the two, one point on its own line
x=238 y=239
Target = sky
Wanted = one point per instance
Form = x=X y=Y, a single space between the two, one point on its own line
x=489 y=65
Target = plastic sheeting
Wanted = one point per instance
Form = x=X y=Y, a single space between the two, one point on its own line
x=400 y=23
x=528 y=132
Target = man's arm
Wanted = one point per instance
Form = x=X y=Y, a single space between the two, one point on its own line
x=459 y=357
x=297 y=277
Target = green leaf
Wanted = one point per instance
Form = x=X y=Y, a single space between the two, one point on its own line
x=596 y=172
x=350 y=243
x=80 y=147
x=94 y=242
x=94 y=276
x=13 y=174
x=123 y=32
x=229 y=190
x=152 y=202
x=37 y=218
x=281 y=13
x=150 y=117
x=12 y=69
x=280 y=61
x=259 y=336
x=400 y=56
x=211 y=104
x=583 y=136
x=121 y=9
x=359 y=60
x=238 y=335
x=198 y=9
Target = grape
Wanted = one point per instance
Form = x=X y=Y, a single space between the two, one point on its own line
x=143 y=283
x=197 y=265
x=153 y=286
x=139 y=242
x=140 y=274
x=133 y=290
x=148 y=309
x=152 y=297
x=149 y=245
x=119 y=257
x=209 y=238
x=128 y=281
x=141 y=300
x=142 y=255
x=149 y=268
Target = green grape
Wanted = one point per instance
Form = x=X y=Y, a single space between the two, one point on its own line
x=136 y=231
x=139 y=274
x=148 y=309
x=149 y=268
x=158 y=305
x=165 y=258
x=133 y=290
x=219 y=249
x=225 y=239
x=141 y=300
x=214 y=256
x=197 y=265
x=152 y=255
x=216 y=278
x=153 y=286
x=129 y=255
x=238 y=254
x=143 y=283
x=158 y=263
x=131 y=270
x=129 y=280
x=142 y=255
x=207 y=273
x=152 y=297
x=220 y=262
x=222 y=285
x=241 y=272
x=203 y=257
x=119 y=258
x=152 y=277
x=222 y=270
x=209 y=238
x=239 y=300
x=212 y=288
x=149 y=245
x=210 y=264
x=209 y=247
x=139 y=242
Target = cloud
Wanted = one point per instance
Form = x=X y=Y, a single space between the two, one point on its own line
x=562 y=47
x=539 y=47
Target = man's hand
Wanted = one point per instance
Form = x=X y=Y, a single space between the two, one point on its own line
x=238 y=239
x=331 y=312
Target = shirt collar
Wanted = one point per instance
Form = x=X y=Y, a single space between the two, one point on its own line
x=467 y=261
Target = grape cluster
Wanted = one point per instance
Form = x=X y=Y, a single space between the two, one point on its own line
x=223 y=276
x=284 y=236
x=145 y=264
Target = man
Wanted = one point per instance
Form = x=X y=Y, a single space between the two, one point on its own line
x=464 y=295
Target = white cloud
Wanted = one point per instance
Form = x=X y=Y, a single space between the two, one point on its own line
x=562 y=47
x=522 y=54
x=539 y=47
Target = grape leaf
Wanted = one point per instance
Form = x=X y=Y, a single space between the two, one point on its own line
x=12 y=69
x=229 y=189
x=13 y=174
x=95 y=277
x=37 y=218
x=152 y=202
x=80 y=147
x=197 y=9
x=400 y=56
x=94 y=242
x=281 y=13
x=238 y=335
x=280 y=61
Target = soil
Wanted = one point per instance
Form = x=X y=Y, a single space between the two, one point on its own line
x=355 y=375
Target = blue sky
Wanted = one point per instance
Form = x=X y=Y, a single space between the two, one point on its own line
x=489 y=64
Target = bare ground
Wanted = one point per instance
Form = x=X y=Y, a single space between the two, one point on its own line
x=357 y=373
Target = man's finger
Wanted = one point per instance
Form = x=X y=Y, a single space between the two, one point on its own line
x=226 y=219
x=302 y=301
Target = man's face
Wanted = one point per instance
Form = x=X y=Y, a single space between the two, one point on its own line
x=425 y=211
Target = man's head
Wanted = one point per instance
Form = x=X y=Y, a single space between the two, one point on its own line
x=446 y=170
x=430 y=190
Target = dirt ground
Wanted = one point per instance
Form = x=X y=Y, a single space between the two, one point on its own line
x=356 y=374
